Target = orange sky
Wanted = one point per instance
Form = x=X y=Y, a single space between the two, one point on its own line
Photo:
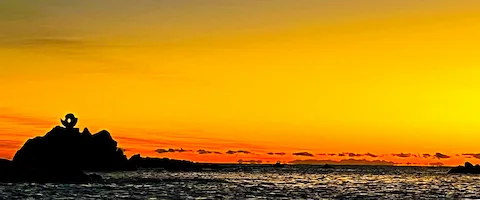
x=331 y=76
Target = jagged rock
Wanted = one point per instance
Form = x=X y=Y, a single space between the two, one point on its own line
x=86 y=132
x=63 y=154
x=68 y=148
x=467 y=169
x=468 y=165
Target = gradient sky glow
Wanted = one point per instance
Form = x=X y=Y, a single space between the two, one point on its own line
x=318 y=76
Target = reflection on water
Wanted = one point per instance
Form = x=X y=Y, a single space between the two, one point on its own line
x=263 y=182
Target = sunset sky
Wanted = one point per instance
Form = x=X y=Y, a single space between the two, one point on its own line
x=396 y=79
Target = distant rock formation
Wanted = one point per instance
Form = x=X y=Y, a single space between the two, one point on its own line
x=168 y=164
x=278 y=164
x=467 y=169
x=149 y=163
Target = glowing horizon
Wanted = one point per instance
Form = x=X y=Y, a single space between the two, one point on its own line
x=331 y=76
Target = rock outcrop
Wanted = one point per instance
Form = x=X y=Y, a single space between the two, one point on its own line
x=469 y=168
x=165 y=163
x=68 y=148
x=168 y=164
x=63 y=154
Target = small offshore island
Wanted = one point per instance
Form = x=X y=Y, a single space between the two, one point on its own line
x=65 y=153
x=468 y=168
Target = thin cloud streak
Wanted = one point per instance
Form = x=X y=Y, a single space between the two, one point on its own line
x=25 y=120
x=277 y=153
x=303 y=154
x=10 y=144
x=238 y=152
x=203 y=151
x=172 y=150
x=372 y=155
x=403 y=155
x=441 y=156
x=474 y=155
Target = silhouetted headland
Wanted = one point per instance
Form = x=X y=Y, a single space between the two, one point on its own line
x=64 y=153
x=169 y=164
x=469 y=168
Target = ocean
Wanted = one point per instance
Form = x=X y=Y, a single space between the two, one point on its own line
x=263 y=182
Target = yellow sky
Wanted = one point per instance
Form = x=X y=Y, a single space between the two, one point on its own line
x=318 y=76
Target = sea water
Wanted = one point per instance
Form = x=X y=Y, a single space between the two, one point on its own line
x=263 y=182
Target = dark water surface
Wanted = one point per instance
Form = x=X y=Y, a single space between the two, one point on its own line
x=262 y=182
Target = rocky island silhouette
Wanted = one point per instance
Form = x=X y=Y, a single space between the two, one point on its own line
x=468 y=168
x=64 y=154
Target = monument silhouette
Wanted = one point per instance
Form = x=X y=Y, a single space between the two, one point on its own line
x=70 y=121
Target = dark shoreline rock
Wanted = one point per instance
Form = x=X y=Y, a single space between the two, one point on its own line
x=168 y=164
x=69 y=149
x=11 y=173
x=63 y=154
x=469 y=168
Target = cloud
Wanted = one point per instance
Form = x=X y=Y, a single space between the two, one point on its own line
x=10 y=144
x=436 y=164
x=276 y=153
x=238 y=152
x=371 y=155
x=410 y=163
x=202 y=151
x=322 y=154
x=354 y=155
x=172 y=150
x=193 y=139
x=403 y=155
x=303 y=154
x=161 y=151
x=21 y=119
x=332 y=154
x=440 y=156
x=475 y=155
x=139 y=141
x=426 y=155
x=342 y=162
x=250 y=161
